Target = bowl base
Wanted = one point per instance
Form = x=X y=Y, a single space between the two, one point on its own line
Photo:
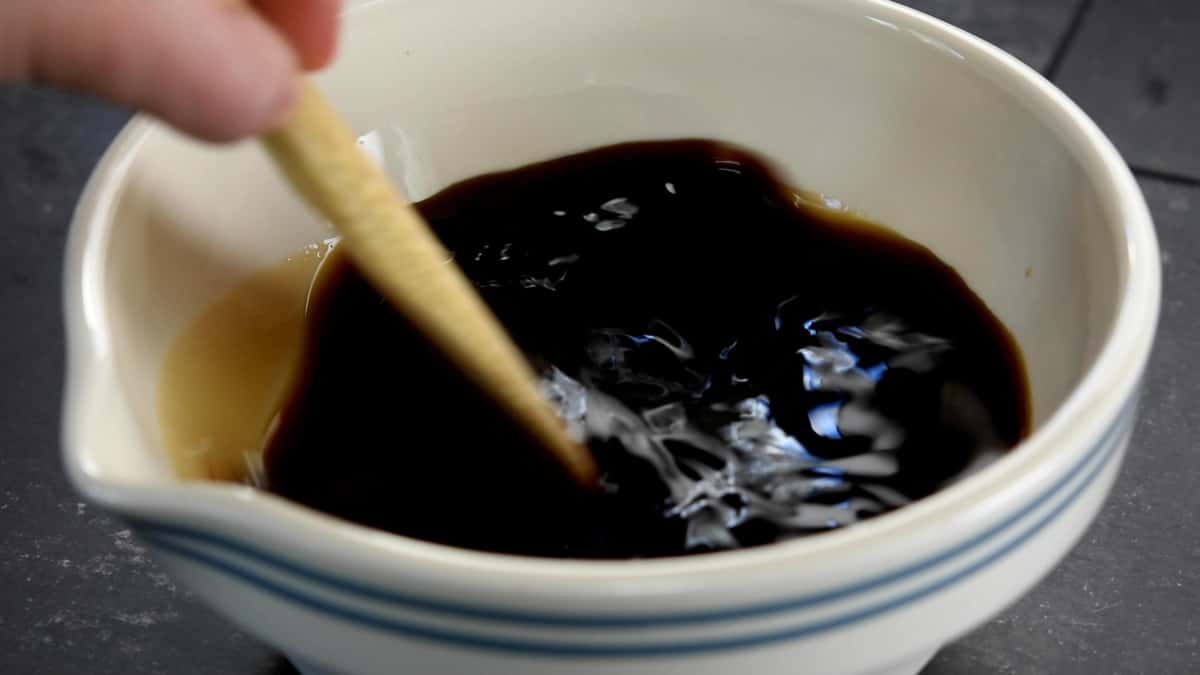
x=911 y=666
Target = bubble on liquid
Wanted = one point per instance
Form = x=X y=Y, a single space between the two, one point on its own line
x=728 y=463
x=729 y=166
x=871 y=464
x=563 y=260
x=856 y=419
x=666 y=419
x=834 y=358
x=568 y=397
x=825 y=420
x=621 y=207
x=727 y=351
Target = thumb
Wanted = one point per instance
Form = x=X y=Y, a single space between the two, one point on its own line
x=212 y=68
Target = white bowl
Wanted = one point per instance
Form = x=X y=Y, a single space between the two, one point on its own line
x=914 y=123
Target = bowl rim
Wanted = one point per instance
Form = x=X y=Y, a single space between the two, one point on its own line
x=1050 y=452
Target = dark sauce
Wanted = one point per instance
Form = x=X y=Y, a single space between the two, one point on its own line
x=746 y=368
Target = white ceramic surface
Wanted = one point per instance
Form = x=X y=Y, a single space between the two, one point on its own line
x=913 y=123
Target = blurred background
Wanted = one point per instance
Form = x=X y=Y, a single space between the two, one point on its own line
x=78 y=594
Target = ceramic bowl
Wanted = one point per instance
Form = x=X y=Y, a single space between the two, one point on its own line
x=911 y=122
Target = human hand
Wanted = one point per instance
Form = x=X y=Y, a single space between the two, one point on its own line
x=217 y=69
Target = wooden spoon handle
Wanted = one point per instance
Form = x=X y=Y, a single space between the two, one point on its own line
x=395 y=249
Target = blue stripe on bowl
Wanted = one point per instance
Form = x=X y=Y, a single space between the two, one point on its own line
x=625 y=621
x=1101 y=455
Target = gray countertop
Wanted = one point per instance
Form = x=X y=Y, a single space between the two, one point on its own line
x=79 y=594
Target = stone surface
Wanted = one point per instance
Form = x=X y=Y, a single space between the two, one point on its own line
x=1135 y=67
x=77 y=593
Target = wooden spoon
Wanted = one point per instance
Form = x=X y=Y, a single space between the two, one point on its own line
x=395 y=249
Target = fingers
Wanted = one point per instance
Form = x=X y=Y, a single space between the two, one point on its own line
x=211 y=68
x=216 y=69
x=310 y=25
